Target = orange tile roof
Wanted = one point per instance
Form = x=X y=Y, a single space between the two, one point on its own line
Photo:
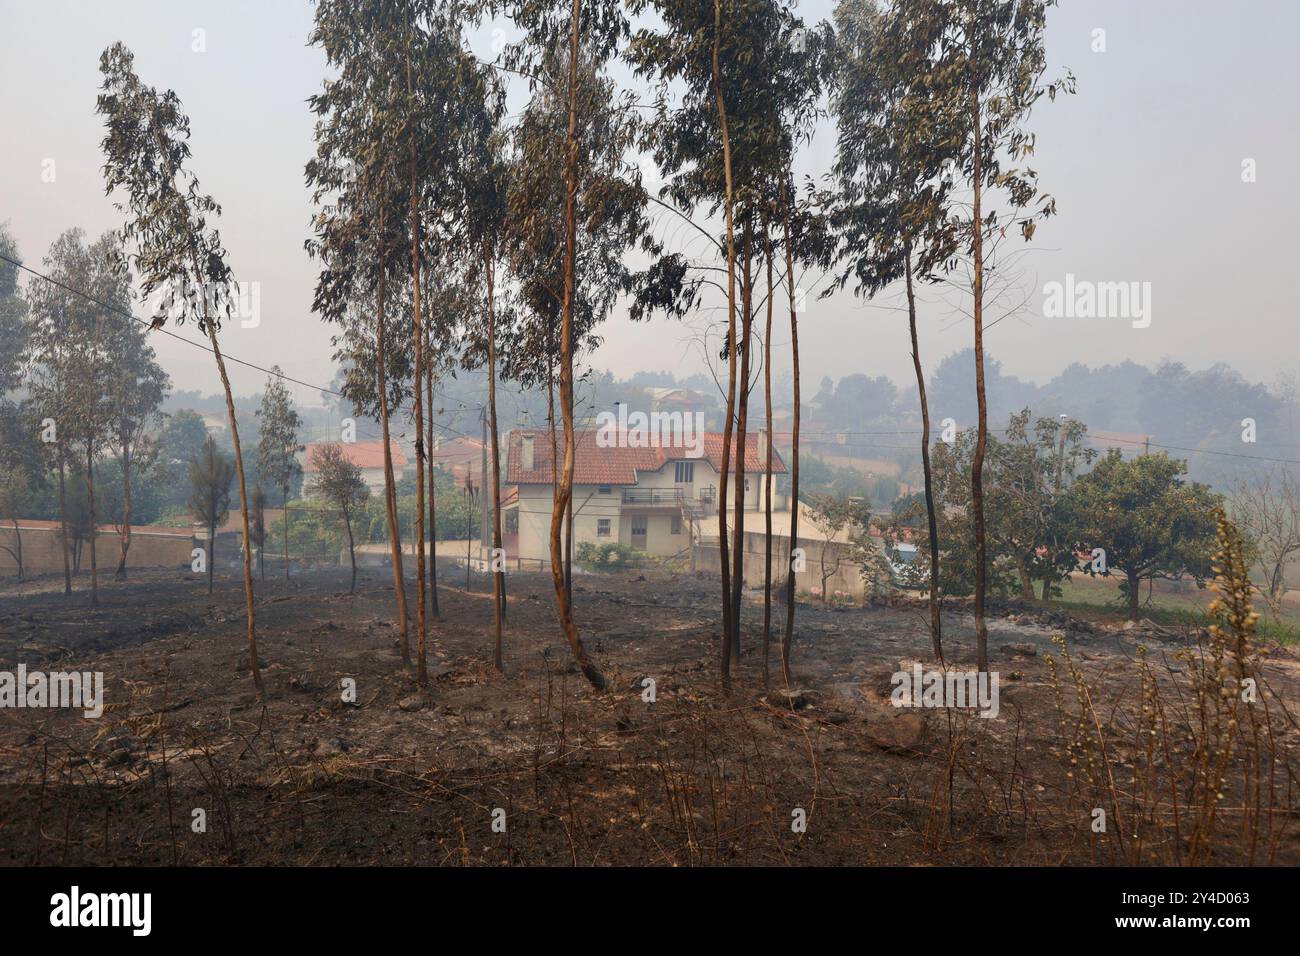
x=363 y=454
x=595 y=465
x=455 y=451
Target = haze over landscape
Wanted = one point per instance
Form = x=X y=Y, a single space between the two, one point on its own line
x=1144 y=195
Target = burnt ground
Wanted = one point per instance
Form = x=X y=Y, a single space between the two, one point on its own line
x=703 y=775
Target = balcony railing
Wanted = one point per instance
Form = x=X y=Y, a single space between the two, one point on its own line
x=668 y=497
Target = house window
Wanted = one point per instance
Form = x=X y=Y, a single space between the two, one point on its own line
x=747 y=485
x=684 y=472
x=602 y=527
x=677 y=524
x=604 y=490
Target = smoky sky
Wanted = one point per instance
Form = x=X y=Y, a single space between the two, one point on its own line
x=1146 y=163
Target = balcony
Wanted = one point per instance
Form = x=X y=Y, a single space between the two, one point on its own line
x=667 y=498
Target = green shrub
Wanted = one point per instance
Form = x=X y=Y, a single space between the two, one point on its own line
x=606 y=557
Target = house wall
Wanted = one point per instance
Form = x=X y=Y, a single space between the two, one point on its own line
x=589 y=505
x=42 y=551
x=847 y=579
x=374 y=479
x=659 y=537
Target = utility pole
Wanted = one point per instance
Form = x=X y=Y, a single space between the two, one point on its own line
x=469 y=538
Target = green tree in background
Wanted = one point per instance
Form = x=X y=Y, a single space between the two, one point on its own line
x=134 y=387
x=339 y=482
x=277 y=448
x=210 y=476
x=1148 y=519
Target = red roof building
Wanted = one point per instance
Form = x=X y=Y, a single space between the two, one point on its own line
x=363 y=454
x=616 y=464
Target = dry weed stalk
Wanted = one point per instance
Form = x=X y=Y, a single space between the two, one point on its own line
x=1193 y=762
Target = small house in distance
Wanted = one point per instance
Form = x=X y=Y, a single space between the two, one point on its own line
x=687 y=401
x=653 y=499
x=461 y=457
x=366 y=455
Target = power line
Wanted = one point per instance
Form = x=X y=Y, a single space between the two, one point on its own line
x=199 y=345
x=1208 y=451
x=446 y=428
x=180 y=338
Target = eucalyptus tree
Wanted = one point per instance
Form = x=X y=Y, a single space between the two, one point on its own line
x=449 y=309
x=211 y=473
x=23 y=470
x=134 y=387
x=805 y=239
x=692 y=145
x=893 y=206
x=593 y=30
x=782 y=95
x=691 y=139
x=109 y=285
x=175 y=248
x=277 y=445
x=978 y=65
x=415 y=133
x=451 y=107
x=49 y=370
x=13 y=315
x=67 y=333
x=338 y=480
x=737 y=81
x=360 y=237
x=20 y=459
x=488 y=179
x=610 y=216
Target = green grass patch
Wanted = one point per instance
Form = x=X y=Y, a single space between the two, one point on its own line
x=1097 y=599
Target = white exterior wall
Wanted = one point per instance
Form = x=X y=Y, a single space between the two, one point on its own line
x=589 y=505
x=374 y=479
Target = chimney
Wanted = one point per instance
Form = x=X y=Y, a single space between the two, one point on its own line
x=526 y=452
x=762 y=448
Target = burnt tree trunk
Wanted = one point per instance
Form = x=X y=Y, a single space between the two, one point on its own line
x=981 y=443
x=564 y=492
x=725 y=135
x=417 y=534
x=390 y=484
x=498 y=576
x=787 y=639
x=931 y=516
x=767 y=478
x=742 y=438
x=243 y=514
x=124 y=544
x=90 y=500
x=63 y=522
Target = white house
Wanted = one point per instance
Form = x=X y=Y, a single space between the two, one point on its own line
x=655 y=499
